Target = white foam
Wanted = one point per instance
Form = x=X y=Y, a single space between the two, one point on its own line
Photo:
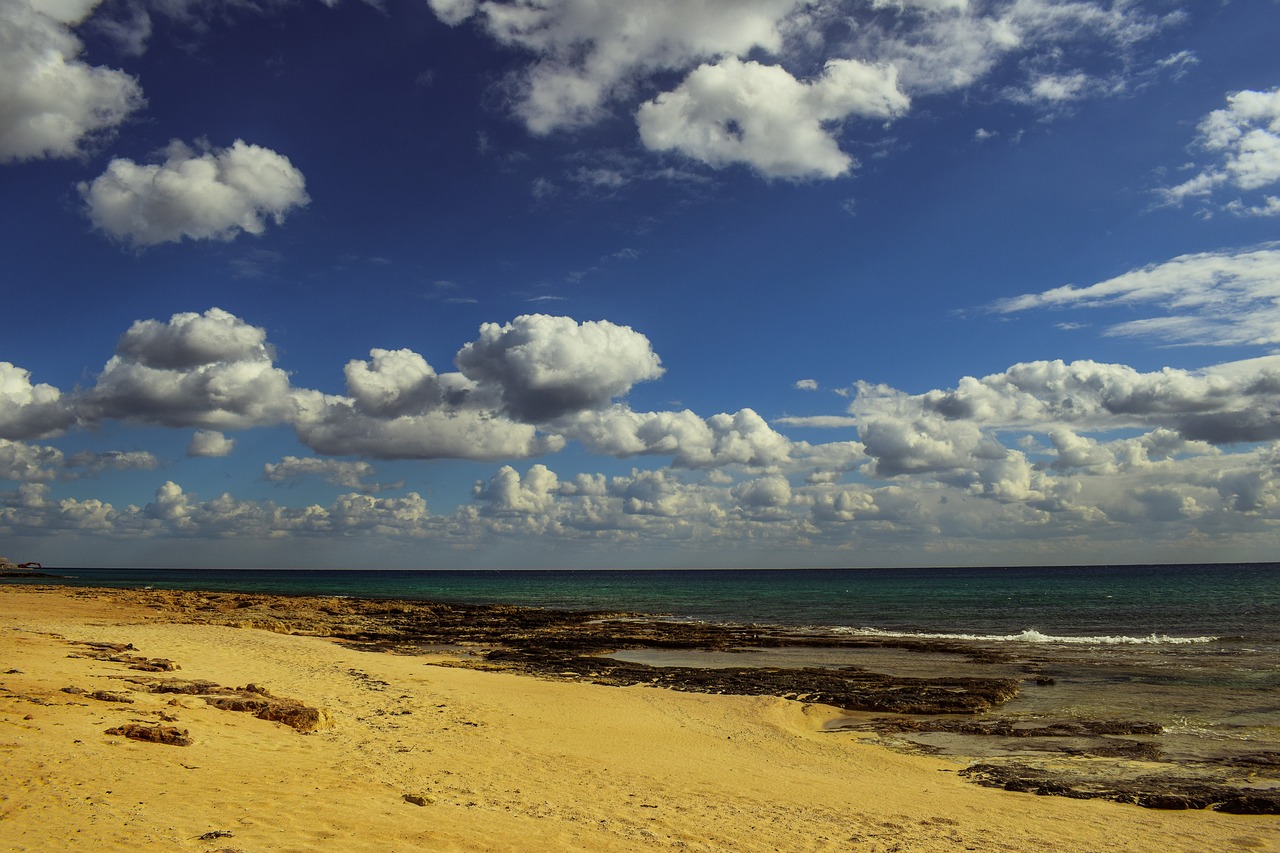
x=1031 y=635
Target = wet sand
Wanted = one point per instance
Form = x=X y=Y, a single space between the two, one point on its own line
x=406 y=754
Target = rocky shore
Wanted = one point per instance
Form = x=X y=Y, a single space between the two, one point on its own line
x=1125 y=756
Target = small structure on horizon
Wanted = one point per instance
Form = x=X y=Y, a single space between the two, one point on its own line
x=8 y=568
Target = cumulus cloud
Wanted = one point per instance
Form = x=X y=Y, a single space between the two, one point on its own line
x=27 y=410
x=744 y=112
x=206 y=370
x=770 y=493
x=508 y=492
x=1213 y=298
x=340 y=429
x=742 y=438
x=1245 y=137
x=398 y=382
x=767 y=83
x=956 y=432
x=547 y=367
x=586 y=53
x=399 y=407
x=213 y=194
x=51 y=103
x=28 y=462
x=210 y=443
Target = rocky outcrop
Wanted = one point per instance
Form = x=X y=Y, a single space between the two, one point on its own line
x=153 y=734
x=118 y=653
x=850 y=688
x=250 y=699
x=10 y=569
x=1153 y=793
x=561 y=643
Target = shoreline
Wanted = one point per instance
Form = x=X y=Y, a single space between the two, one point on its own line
x=553 y=760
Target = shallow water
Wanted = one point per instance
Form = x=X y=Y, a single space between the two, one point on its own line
x=1214 y=702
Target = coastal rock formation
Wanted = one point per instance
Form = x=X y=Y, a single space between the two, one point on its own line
x=116 y=653
x=850 y=688
x=250 y=699
x=1125 y=762
x=10 y=569
x=153 y=734
x=562 y=643
x=1153 y=793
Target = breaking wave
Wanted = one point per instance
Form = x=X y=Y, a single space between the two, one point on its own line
x=1031 y=636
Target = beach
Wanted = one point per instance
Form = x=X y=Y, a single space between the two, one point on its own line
x=406 y=754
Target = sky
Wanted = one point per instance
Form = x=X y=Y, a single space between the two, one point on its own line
x=604 y=283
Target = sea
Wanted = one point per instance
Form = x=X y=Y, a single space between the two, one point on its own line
x=1194 y=649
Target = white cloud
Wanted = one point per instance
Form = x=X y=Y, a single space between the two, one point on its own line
x=586 y=53
x=351 y=474
x=28 y=462
x=742 y=438
x=27 y=410
x=772 y=492
x=340 y=429
x=212 y=195
x=818 y=421
x=806 y=385
x=1055 y=88
x=507 y=492
x=51 y=103
x=1214 y=298
x=742 y=99
x=955 y=434
x=1246 y=138
x=207 y=370
x=939 y=47
x=398 y=382
x=210 y=443
x=453 y=12
x=94 y=464
x=745 y=112
x=546 y=367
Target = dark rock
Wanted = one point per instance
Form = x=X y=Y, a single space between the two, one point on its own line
x=1254 y=804
x=1169 y=793
x=850 y=688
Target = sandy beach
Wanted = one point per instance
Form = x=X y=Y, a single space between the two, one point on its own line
x=408 y=755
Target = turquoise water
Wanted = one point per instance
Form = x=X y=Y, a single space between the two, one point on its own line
x=1095 y=602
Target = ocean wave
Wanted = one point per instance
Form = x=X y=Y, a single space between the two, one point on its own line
x=1031 y=635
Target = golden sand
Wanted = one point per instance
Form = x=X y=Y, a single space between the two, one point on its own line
x=419 y=757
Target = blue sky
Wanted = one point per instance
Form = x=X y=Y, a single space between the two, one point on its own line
x=445 y=283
